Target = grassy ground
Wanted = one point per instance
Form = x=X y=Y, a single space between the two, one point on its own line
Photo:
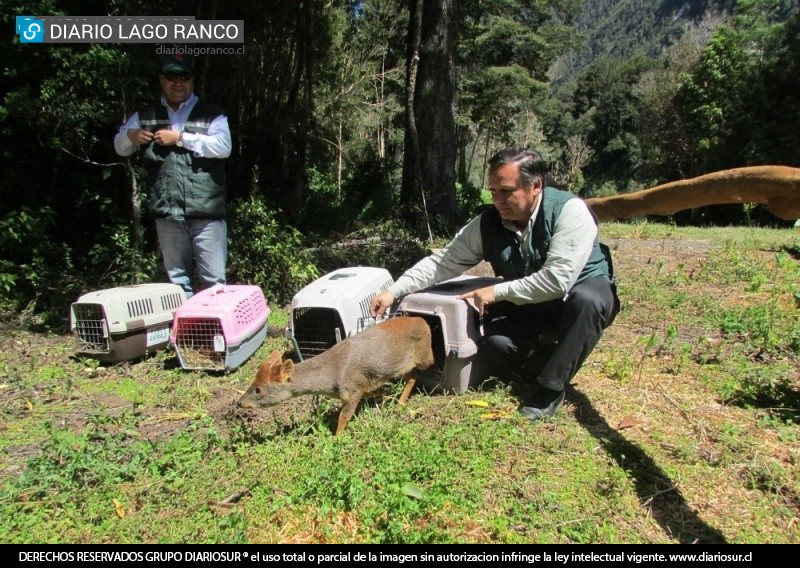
x=682 y=427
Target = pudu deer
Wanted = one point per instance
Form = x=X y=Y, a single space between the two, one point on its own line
x=349 y=370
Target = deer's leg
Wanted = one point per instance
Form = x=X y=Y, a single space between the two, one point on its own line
x=410 y=382
x=347 y=411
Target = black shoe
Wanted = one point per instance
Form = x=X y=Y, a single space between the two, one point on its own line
x=545 y=403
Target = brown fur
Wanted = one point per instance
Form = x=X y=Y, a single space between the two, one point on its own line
x=776 y=187
x=349 y=370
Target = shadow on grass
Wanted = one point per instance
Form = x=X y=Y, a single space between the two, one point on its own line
x=656 y=490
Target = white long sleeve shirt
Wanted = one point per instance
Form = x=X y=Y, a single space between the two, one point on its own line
x=215 y=144
x=570 y=247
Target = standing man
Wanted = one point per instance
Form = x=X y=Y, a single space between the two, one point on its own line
x=557 y=280
x=184 y=142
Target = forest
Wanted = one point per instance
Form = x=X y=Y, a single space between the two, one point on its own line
x=362 y=128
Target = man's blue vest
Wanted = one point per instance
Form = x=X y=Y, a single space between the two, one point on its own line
x=503 y=251
x=182 y=185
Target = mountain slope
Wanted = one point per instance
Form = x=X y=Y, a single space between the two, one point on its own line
x=622 y=28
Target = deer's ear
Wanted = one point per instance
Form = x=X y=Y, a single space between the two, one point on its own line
x=287 y=370
x=279 y=372
x=263 y=374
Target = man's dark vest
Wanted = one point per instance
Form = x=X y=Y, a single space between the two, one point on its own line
x=182 y=185
x=502 y=249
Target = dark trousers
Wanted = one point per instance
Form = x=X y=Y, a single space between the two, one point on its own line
x=564 y=331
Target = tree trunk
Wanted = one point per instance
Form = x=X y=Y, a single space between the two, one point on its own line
x=382 y=110
x=136 y=208
x=461 y=170
x=471 y=160
x=207 y=10
x=430 y=152
x=412 y=167
x=300 y=97
x=271 y=93
x=339 y=161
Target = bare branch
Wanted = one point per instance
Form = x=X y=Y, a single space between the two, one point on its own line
x=86 y=160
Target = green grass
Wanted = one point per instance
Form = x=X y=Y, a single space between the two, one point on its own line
x=682 y=426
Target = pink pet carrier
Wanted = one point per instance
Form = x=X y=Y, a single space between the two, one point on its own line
x=219 y=328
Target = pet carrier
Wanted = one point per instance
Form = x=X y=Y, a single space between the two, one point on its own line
x=455 y=332
x=334 y=307
x=219 y=328
x=118 y=324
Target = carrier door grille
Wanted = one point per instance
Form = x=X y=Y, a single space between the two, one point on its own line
x=200 y=343
x=91 y=329
x=315 y=329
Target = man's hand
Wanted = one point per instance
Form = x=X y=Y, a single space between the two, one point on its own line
x=139 y=136
x=380 y=302
x=481 y=297
x=167 y=137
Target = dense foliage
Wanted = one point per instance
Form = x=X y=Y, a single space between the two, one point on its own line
x=318 y=103
x=706 y=100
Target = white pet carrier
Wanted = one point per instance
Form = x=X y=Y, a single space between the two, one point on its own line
x=334 y=307
x=219 y=328
x=125 y=323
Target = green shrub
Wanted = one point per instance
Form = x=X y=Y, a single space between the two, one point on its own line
x=470 y=200
x=364 y=195
x=386 y=245
x=266 y=253
x=607 y=189
x=118 y=263
x=38 y=272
